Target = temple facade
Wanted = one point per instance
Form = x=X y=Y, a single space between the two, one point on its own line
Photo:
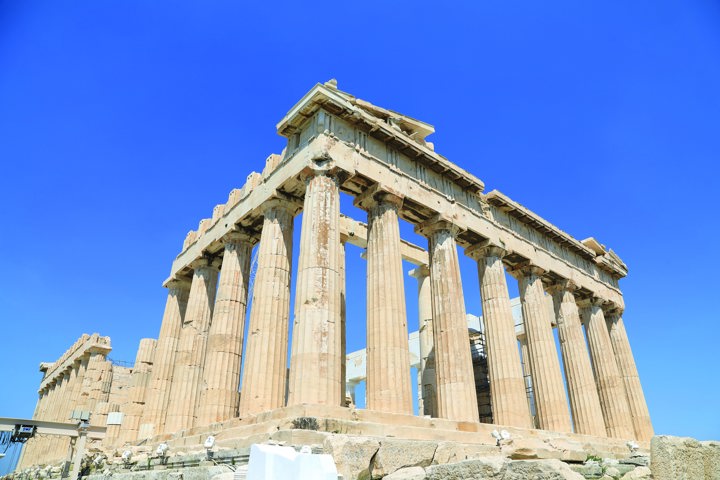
x=190 y=377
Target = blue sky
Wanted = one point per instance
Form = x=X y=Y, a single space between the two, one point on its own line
x=123 y=123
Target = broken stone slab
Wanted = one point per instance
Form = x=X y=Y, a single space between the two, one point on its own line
x=637 y=460
x=481 y=469
x=409 y=473
x=352 y=455
x=540 y=470
x=395 y=454
x=640 y=473
x=451 y=452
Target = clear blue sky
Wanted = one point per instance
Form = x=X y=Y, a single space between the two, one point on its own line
x=123 y=123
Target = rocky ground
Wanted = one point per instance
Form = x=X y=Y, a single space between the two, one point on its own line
x=368 y=458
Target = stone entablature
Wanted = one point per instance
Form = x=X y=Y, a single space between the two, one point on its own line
x=366 y=150
x=85 y=345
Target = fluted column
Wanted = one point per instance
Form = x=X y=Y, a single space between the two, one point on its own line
x=137 y=394
x=628 y=371
x=315 y=363
x=190 y=354
x=507 y=385
x=427 y=404
x=265 y=372
x=219 y=397
x=527 y=377
x=456 y=396
x=388 y=386
x=548 y=389
x=611 y=388
x=584 y=401
x=343 y=324
x=158 y=391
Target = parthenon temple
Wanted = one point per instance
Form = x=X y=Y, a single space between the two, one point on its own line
x=238 y=264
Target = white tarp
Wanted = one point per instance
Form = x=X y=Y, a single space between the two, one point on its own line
x=271 y=462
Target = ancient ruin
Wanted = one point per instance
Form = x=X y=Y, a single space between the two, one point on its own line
x=186 y=384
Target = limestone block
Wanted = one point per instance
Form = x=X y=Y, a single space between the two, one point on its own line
x=711 y=452
x=540 y=470
x=233 y=199
x=271 y=164
x=590 y=469
x=253 y=180
x=451 y=452
x=352 y=455
x=410 y=473
x=396 y=454
x=203 y=226
x=612 y=472
x=643 y=473
x=676 y=458
x=218 y=212
x=489 y=468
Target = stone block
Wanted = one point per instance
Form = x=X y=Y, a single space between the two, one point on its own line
x=352 y=455
x=676 y=458
x=396 y=454
x=540 y=470
x=410 y=473
x=642 y=473
x=451 y=452
x=490 y=468
x=711 y=453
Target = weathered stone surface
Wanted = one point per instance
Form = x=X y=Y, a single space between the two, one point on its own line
x=642 y=473
x=352 y=455
x=410 y=473
x=590 y=469
x=490 y=468
x=451 y=452
x=637 y=460
x=396 y=454
x=711 y=453
x=676 y=458
x=540 y=470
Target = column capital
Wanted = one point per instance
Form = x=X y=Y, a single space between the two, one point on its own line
x=525 y=269
x=423 y=271
x=592 y=301
x=177 y=283
x=485 y=249
x=378 y=194
x=282 y=201
x=320 y=167
x=239 y=235
x=439 y=223
x=612 y=309
x=563 y=285
x=205 y=262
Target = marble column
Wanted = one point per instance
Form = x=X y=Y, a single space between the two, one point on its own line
x=628 y=371
x=219 y=397
x=137 y=394
x=191 y=348
x=388 y=386
x=549 y=391
x=158 y=391
x=343 y=324
x=611 y=388
x=316 y=363
x=426 y=374
x=456 y=396
x=584 y=401
x=507 y=385
x=527 y=377
x=264 y=377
